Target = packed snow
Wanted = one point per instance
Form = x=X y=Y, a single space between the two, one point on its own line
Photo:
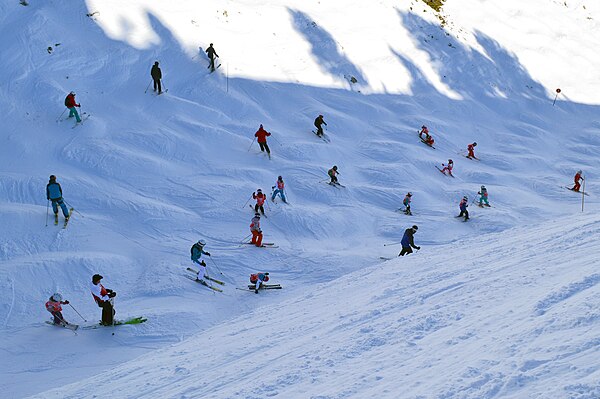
x=502 y=306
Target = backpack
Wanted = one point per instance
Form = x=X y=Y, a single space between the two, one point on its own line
x=67 y=101
x=195 y=246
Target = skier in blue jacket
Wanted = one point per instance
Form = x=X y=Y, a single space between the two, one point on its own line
x=464 y=203
x=54 y=194
x=197 y=251
x=408 y=241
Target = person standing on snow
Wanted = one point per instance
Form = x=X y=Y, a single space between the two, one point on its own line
x=104 y=299
x=210 y=51
x=406 y=203
x=471 y=149
x=425 y=137
x=197 y=251
x=464 y=203
x=54 y=194
x=448 y=167
x=71 y=104
x=261 y=137
x=483 y=196
x=257 y=235
x=333 y=172
x=576 y=179
x=279 y=190
x=156 y=74
x=318 y=124
x=260 y=200
x=408 y=241
x=258 y=279
x=53 y=306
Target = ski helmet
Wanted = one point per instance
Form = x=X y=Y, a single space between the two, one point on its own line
x=72 y=93
x=579 y=172
x=409 y=194
x=465 y=198
x=423 y=127
x=415 y=227
x=279 y=178
x=334 y=167
x=258 y=190
x=96 y=277
x=52 y=177
x=320 y=116
x=483 y=187
x=56 y=297
x=201 y=242
x=450 y=161
x=474 y=144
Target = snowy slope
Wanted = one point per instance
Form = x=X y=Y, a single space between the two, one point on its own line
x=150 y=175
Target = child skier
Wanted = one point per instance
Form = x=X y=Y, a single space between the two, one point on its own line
x=261 y=137
x=577 y=178
x=54 y=194
x=104 y=299
x=408 y=241
x=406 y=203
x=448 y=167
x=258 y=279
x=279 y=190
x=257 y=235
x=71 y=104
x=260 y=200
x=53 y=306
x=425 y=137
x=197 y=251
x=483 y=197
x=333 y=172
x=464 y=203
x=471 y=149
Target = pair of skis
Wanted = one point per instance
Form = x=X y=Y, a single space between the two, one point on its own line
x=322 y=137
x=264 y=244
x=74 y=327
x=204 y=279
x=66 y=219
x=252 y=287
x=444 y=173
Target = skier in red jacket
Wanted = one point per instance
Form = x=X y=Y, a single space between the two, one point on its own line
x=53 y=306
x=471 y=149
x=257 y=234
x=577 y=178
x=261 y=137
x=70 y=103
x=425 y=136
x=260 y=201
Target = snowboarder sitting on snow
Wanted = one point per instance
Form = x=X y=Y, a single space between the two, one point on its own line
x=53 y=306
x=483 y=196
x=103 y=298
x=471 y=149
x=406 y=203
x=333 y=172
x=425 y=137
x=156 y=74
x=318 y=124
x=261 y=137
x=54 y=194
x=260 y=200
x=258 y=279
x=408 y=241
x=197 y=251
x=70 y=103
x=279 y=190
x=464 y=203
x=257 y=235
x=577 y=178
x=210 y=51
x=448 y=167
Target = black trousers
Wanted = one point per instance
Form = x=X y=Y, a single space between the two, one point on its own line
x=405 y=251
x=333 y=179
x=257 y=207
x=157 y=85
x=464 y=213
x=108 y=312
x=212 y=64
x=264 y=146
x=319 y=131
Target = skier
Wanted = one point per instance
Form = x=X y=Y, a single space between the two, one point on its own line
x=197 y=251
x=260 y=200
x=279 y=190
x=471 y=149
x=464 y=203
x=448 y=167
x=53 y=306
x=408 y=241
x=156 y=74
x=54 y=194
x=261 y=135
x=71 y=104
x=427 y=139
x=257 y=235
x=577 y=178
x=483 y=196
x=258 y=279
x=212 y=54
x=104 y=299
x=406 y=203
x=333 y=172
x=318 y=123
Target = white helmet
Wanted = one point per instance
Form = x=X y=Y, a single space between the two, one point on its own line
x=466 y=198
x=579 y=172
x=202 y=242
x=57 y=297
x=482 y=187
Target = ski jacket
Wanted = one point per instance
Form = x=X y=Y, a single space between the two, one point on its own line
x=280 y=184
x=260 y=198
x=197 y=251
x=53 y=191
x=483 y=193
x=261 y=135
x=577 y=177
x=449 y=166
x=463 y=204
x=406 y=201
x=155 y=72
x=258 y=277
x=319 y=121
x=408 y=239
x=99 y=293
x=210 y=51
x=332 y=172
x=255 y=225
x=53 y=306
x=424 y=131
x=70 y=101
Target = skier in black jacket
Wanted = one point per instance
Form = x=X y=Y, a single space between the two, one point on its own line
x=210 y=51
x=156 y=76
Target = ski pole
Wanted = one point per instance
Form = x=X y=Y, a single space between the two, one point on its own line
x=393 y=243
x=65 y=323
x=582 y=194
x=164 y=85
x=215 y=263
x=47 y=210
x=78 y=312
x=251 y=144
x=74 y=210
x=147 y=87
x=58 y=119
x=277 y=141
x=246 y=202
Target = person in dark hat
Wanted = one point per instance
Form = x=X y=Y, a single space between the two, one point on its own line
x=408 y=241
x=156 y=74
x=104 y=299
